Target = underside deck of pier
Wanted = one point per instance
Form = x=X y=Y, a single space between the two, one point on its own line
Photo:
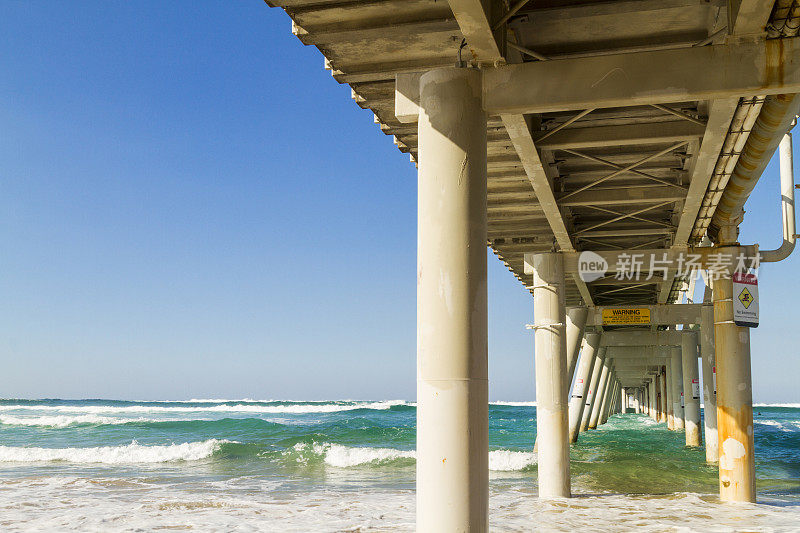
x=675 y=168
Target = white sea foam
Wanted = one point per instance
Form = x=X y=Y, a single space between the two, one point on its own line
x=514 y=404
x=509 y=461
x=791 y=405
x=61 y=421
x=346 y=456
x=246 y=504
x=237 y=408
x=127 y=454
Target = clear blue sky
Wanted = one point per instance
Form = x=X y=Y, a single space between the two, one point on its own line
x=190 y=206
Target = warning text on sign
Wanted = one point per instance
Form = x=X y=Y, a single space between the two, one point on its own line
x=625 y=316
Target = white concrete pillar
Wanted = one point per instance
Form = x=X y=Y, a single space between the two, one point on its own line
x=677 y=387
x=606 y=396
x=664 y=416
x=597 y=369
x=737 y=476
x=580 y=388
x=691 y=388
x=552 y=429
x=659 y=400
x=709 y=382
x=608 y=403
x=601 y=390
x=576 y=324
x=452 y=383
x=669 y=382
x=623 y=397
x=640 y=401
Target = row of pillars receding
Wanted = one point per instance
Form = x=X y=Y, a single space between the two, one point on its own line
x=452 y=390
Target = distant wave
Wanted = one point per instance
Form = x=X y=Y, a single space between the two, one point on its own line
x=341 y=456
x=788 y=426
x=242 y=408
x=514 y=404
x=792 y=405
x=130 y=453
x=62 y=421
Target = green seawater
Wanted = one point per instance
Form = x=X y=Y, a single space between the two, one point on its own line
x=276 y=465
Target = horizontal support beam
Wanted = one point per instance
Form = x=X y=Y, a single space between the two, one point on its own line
x=622 y=135
x=627 y=232
x=644 y=78
x=663 y=314
x=631 y=263
x=594 y=196
x=641 y=338
x=614 y=196
x=630 y=356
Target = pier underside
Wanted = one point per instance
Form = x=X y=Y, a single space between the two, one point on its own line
x=549 y=128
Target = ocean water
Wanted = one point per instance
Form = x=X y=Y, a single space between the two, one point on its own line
x=245 y=465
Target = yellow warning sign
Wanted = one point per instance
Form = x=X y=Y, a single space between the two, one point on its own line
x=746 y=298
x=625 y=316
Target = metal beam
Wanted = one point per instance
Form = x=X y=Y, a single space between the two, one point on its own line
x=749 y=16
x=666 y=315
x=615 y=196
x=622 y=135
x=641 y=338
x=719 y=119
x=659 y=260
x=474 y=17
x=644 y=78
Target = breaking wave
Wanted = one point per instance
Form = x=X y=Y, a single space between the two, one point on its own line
x=128 y=454
x=341 y=456
x=62 y=421
x=238 y=407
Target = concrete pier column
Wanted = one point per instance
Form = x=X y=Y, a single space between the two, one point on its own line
x=606 y=396
x=677 y=387
x=691 y=388
x=580 y=388
x=452 y=382
x=597 y=369
x=653 y=399
x=737 y=476
x=601 y=390
x=611 y=396
x=709 y=383
x=669 y=381
x=552 y=428
x=644 y=399
x=664 y=417
x=576 y=325
x=656 y=398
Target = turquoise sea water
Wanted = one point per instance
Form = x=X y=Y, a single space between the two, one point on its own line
x=104 y=465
